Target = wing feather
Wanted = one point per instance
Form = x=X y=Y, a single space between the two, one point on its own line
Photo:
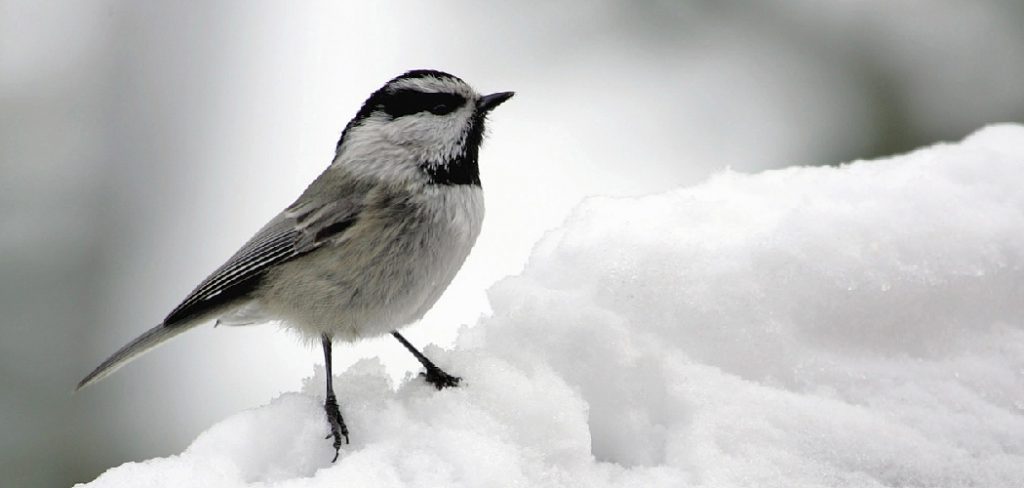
x=290 y=235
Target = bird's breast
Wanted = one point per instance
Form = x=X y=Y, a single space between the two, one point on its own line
x=388 y=270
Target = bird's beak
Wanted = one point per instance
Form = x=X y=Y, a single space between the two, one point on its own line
x=487 y=103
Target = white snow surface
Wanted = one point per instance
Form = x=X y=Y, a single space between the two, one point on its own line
x=852 y=326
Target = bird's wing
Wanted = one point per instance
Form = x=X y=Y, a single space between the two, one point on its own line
x=298 y=230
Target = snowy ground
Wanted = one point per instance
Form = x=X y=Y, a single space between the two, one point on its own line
x=857 y=326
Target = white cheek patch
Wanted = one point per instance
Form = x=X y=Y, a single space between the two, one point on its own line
x=429 y=138
x=398 y=148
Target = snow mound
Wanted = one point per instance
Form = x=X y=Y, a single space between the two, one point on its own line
x=856 y=326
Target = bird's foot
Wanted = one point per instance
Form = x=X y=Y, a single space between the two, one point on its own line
x=338 y=427
x=441 y=380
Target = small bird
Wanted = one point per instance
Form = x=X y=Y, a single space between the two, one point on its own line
x=370 y=245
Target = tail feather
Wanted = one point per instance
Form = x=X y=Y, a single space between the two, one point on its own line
x=142 y=344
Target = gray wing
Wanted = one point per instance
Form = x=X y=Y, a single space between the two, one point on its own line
x=298 y=230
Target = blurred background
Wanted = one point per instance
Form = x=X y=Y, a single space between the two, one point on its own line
x=142 y=142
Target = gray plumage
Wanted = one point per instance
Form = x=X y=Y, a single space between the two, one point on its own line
x=373 y=242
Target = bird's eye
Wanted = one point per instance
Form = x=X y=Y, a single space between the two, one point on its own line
x=442 y=109
x=408 y=102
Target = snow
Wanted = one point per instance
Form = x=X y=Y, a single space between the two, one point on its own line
x=856 y=326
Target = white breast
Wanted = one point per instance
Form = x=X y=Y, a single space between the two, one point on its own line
x=388 y=271
x=460 y=211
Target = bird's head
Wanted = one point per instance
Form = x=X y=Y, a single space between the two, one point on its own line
x=424 y=123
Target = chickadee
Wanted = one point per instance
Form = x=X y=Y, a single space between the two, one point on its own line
x=372 y=242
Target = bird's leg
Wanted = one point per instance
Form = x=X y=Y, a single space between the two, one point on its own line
x=434 y=375
x=338 y=428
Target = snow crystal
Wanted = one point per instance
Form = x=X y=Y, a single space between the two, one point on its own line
x=855 y=326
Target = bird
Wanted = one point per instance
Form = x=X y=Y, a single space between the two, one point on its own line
x=372 y=242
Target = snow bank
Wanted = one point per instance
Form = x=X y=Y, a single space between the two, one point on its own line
x=857 y=326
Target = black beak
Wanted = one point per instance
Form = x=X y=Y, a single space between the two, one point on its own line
x=487 y=102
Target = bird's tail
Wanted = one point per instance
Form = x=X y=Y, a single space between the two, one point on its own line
x=142 y=344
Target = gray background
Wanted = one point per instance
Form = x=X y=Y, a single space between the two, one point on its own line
x=142 y=142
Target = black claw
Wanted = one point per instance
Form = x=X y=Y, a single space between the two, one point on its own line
x=338 y=427
x=440 y=379
x=434 y=375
